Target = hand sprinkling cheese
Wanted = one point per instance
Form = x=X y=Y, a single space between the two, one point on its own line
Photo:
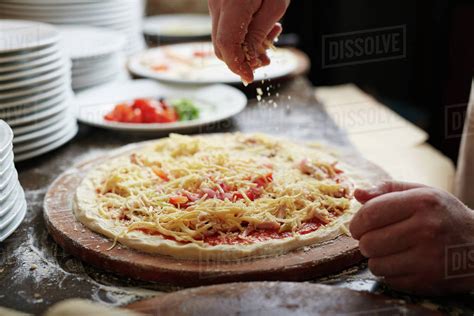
x=242 y=32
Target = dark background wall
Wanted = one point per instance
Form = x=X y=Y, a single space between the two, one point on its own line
x=434 y=77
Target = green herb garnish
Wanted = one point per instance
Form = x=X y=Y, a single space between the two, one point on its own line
x=186 y=109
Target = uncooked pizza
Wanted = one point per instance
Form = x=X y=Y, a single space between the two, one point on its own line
x=220 y=197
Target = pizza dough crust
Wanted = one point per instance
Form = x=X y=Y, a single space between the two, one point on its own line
x=86 y=211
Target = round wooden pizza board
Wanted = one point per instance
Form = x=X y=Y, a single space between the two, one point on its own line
x=274 y=298
x=303 y=264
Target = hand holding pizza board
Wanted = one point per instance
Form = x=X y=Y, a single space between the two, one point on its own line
x=298 y=264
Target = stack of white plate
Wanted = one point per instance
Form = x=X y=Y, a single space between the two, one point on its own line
x=124 y=16
x=35 y=89
x=96 y=55
x=12 y=197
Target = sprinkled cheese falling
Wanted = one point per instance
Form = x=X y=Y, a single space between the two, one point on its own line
x=187 y=188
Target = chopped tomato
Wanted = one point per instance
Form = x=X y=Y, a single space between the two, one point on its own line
x=151 y=116
x=170 y=115
x=226 y=188
x=263 y=180
x=178 y=200
x=202 y=53
x=253 y=194
x=120 y=112
x=136 y=116
x=160 y=68
x=163 y=104
x=160 y=173
x=143 y=111
x=237 y=196
x=336 y=169
x=192 y=197
x=142 y=104
x=124 y=217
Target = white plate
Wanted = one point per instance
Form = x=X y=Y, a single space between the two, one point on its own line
x=178 y=25
x=39 y=125
x=37 y=135
x=89 y=85
x=216 y=102
x=97 y=72
x=87 y=42
x=9 y=176
x=66 y=7
x=65 y=2
x=26 y=109
x=5 y=154
x=60 y=18
x=36 y=98
x=38 y=144
x=113 y=61
x=72 y=19
x=6 y=161
x=119 y=76
x=29 y=54
x=16 y=35
x=94 y=61
x=29 y=63
x=89 y=81
x=7 y=231
x=61 y=68
x=7 y=190
x=54 y=80
x=32 y=72
x=6 y=167
x=120 y=23
x=6 y=137
x=34 y=117
x=50 y=147
x=8 y=218
x=41 y=11
x=11 y=200
x=185 y=68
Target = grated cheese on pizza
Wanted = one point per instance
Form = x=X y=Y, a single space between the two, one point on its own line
x=197 y=190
